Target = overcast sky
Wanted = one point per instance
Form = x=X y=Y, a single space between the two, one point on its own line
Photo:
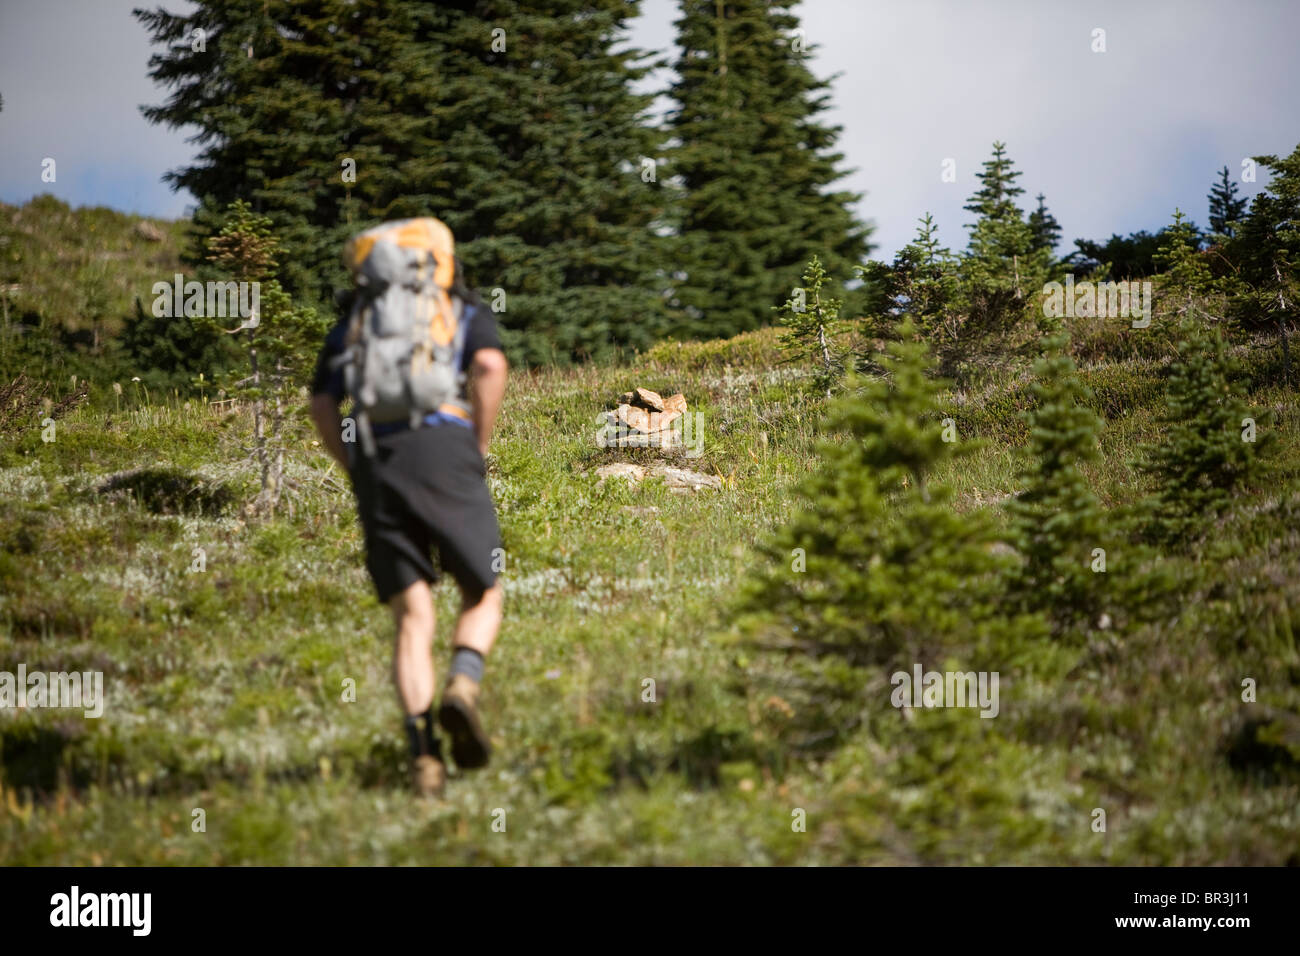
x=1116 y=140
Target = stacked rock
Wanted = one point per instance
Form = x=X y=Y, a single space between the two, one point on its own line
x=644 y=419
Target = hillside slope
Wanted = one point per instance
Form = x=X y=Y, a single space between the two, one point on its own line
x=227 y=686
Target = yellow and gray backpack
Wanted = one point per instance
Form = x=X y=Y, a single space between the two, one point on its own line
x=402 y=355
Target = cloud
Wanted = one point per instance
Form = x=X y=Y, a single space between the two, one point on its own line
x=1115 y=140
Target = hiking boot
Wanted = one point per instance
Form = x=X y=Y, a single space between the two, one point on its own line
x=458 y=715
x=429 y=776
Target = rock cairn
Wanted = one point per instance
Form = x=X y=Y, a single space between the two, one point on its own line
x=644 y=419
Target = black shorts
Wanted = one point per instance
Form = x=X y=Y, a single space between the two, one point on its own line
x=426 y=488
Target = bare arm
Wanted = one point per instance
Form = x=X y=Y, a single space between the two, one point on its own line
x=329 y=423
x=488 y=372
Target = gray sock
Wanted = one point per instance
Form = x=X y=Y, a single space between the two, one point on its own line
x=469 y=662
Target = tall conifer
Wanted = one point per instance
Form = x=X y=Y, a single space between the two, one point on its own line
x=512 y=120
x=1226 y=207
x=756 y=162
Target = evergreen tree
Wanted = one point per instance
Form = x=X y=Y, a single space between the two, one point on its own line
x=556 y=189
x=1226 y=209
x=1044 y=227
x=272 y=92
x=922 y=282
x=12 y=268
x=278 y=340
x=173 y=351
x=755 y=164
x=1266 y=251
x=995 y=200
x=877 y=567
x=1002 y=271
x=1122 y=257
x=1186 y=279
x=1210 y=445
x=1056 y=520
x=811 y=328
x=511 y=120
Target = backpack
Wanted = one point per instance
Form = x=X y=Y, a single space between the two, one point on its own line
x=406 y=333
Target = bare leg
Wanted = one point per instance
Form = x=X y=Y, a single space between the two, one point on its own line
x=478 y=624
x=413 y=652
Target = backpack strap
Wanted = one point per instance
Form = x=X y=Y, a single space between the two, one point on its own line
x=464 y=315
x=349 y=360
x=366 y=433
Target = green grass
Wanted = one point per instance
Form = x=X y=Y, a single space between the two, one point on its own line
x=226 y=686
x=82 y=269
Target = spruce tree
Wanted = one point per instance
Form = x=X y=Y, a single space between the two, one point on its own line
x=557 y=190
x=1226 y=208
x=514 y=122
x=995 y=200
x=1186 y=280
x=1045 y=229
x=876 y=567
x=811 y=329
x=922 y=282
x=755 y=163
x=1120 y=257
x=1266 y=252
x=1211 y=444
x=278 y=341
x=1056 y=519
x=173 y=351
x=274 y=94
x=1002 y=271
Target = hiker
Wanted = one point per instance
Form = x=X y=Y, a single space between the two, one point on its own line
x=419 y=355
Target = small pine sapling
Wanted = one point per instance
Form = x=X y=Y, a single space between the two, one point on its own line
x=1057 y=520
x=276 y=338
x=811 y=328
x=1211 y=445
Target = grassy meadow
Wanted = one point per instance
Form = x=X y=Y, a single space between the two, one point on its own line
x=228 y=686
